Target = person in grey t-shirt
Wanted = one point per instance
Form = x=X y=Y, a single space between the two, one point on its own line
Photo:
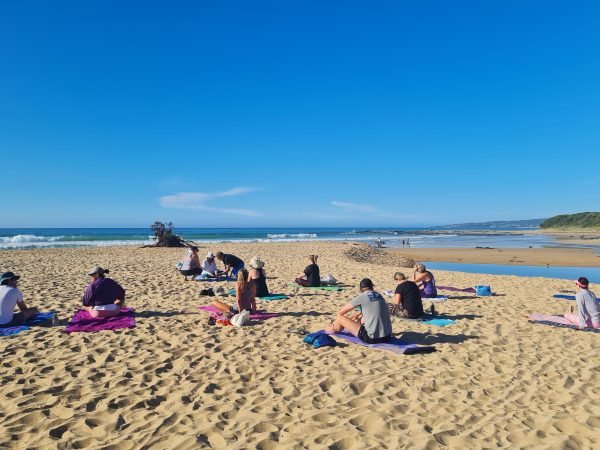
x=376 y=324
x=588 y=308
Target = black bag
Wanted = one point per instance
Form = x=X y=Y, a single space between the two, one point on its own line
x=209 y=292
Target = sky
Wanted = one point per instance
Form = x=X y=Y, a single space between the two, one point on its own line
x=297 y=113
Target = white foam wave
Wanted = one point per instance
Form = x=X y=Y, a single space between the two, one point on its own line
x=53 y=242
x=28 y=239
x=292 y=236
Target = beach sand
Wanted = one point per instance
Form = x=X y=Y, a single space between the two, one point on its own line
x=176 y=382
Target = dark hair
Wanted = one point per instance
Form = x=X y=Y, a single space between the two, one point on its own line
x=194 y=248
x=366 y=283
x=583 y=281
x=103 y=272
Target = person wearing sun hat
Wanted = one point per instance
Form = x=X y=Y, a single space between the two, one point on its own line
x=375 y=326
x=258 y=277
x=588 y=308
x=209 y=267
x=11 y=296
x=103 y=296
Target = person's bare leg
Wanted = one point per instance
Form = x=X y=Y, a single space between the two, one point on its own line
x=104 y=313
x=343 y=323
x=223 y=307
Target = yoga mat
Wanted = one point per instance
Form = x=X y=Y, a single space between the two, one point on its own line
x=82 y=321
x=395 y=345
x=319 y=288
x=439 y=298
x=212 y=280
x=272 y=297
x=439 y=322
x=454 y=289
x=35 y=320
x=256 y=316
x=563 y=296
x=558 y=321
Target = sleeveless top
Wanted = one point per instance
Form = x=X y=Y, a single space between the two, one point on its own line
x=246 y=297
x=260 y=284
x=429 y=289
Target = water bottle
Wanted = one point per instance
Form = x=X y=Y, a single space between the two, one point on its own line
x=432 y=309
x=55 y=321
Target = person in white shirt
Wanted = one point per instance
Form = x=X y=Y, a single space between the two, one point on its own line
x=11 y=296
x=209 y=267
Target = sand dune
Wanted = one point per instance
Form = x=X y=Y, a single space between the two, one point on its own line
x=176 y=382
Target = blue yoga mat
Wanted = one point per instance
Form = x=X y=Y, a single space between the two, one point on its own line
x=35 y=320
x=563 y=296
x=439 y=322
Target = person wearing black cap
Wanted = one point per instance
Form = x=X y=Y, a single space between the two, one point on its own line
x=11 y=296
x=588 y=307
x=375 y=325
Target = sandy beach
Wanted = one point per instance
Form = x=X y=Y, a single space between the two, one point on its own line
x=174 y=381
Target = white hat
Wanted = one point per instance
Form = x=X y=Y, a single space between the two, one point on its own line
x=210 y=255
x=256 y=263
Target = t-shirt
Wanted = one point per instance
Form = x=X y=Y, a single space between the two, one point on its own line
x=375 y=314
x=9 y=296
x=102 y=291
x=588 y=308
x=313 y=275
x=232 y=261
x=410 y=298
x=209 y=266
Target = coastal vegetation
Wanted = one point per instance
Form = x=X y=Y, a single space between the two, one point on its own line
x=579 y=220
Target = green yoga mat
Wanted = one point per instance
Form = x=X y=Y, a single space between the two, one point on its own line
x=320 y=288
x=271 y=297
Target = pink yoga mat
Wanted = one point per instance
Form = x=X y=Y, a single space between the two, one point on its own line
x=82 y=321
x=550 y=318
x=256 y=316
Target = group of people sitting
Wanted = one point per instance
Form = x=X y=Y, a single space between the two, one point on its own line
x=191 y=265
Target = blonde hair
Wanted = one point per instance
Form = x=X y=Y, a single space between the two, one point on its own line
x=399 y=276
x=242 y=280
x=420 y=268
x=313 y=258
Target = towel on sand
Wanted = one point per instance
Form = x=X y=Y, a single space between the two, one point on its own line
x=395 y=345
x=454 y=289
x=558 y=321
x=82 y=321
x=319 y=288
x=272 y=297
x=563 y=296
x=35 y=320
x=258 y=315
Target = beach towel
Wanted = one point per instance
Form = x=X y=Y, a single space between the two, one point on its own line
x=212 y=280
x=439 y=322
x=395 y=345
x=439 y=298
x=35 y=320
x=454 y=289
x=563 y=296
x=83 y=322
x=558 y=321
x=320 y=288
x=272 y=297
x=258 y=315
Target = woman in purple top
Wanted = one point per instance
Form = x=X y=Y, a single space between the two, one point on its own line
x=104 y=297
x=425 y=280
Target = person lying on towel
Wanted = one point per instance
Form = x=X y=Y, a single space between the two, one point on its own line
x=103 y=296
x=374 y=325
x=588 y=308
x=311 y=276
x=11 y=296
x=245 y=298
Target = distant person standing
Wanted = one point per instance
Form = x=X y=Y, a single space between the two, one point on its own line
x=408 y=243
x=403 y=243
x=379 y=242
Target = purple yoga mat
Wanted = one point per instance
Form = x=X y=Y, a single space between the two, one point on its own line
x=395 y=345
x=82 y=321
x=450 y=288
x=255 y=316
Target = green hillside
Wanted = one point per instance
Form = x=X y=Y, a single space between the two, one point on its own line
x=579 y=220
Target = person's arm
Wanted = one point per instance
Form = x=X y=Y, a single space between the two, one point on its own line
x=397 y=299
x=253 y=304
x=121 y=296
x=419 y=278
x=345 y=309
x=581 y=311
x=86 y=300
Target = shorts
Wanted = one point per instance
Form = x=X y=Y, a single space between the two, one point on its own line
x=397 y=310
x=17 y=320
x=364 y=336
x=236 y=269
x=110 y=307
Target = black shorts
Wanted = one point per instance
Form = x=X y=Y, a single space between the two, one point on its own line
x=17 y=320
x=364 y=336
x=187 y=273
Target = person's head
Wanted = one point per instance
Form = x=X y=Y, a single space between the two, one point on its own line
x=9 y=279
x=194 y=250
x=219 y=256
x=313 y=258
x=420 y=268
x=257 y=263
x=365 y=285
x=399 y=277
x=210 y=256
x=98 y=272
x=582 y=283
x=242 y=279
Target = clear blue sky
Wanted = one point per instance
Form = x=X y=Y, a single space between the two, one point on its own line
x=297 y=113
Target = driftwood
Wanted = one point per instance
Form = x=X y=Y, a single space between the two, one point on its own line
x=165 y=236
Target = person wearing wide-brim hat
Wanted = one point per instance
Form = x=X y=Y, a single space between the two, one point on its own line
x=11 y=296
x=258 y=277
x=209 y=267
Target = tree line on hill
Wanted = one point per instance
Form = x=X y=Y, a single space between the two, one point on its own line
x=579 y=220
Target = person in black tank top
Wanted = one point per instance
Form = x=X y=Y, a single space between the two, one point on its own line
x=258 y=277
x=311 y=276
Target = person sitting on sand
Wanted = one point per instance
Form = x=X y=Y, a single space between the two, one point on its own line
x=588 y=308
x=425 y=281
x=407 y=299
x=311 y=276
x=191 y=264
x=209 y=267
x=103 y=296
x=375 y=326
x=11 y=296
x=245 y=298
x=258 y=278
x=232 y=263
